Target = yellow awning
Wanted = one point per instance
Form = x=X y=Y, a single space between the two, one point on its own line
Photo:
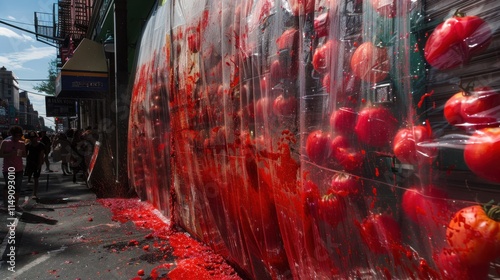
x=85 y=74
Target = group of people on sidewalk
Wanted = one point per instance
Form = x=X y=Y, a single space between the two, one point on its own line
x=72 y=148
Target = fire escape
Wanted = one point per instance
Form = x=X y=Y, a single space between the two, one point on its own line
x=65 y=27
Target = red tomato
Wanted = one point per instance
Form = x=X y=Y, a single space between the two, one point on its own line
x=481 y=153
x=406 y=145
x=332 y=209
x=370 y=63
x=289 y=40
x=427 y=207
x=453 y=109
x=318 y=146
x=456 y=40
x=343 y=120
x=350 y=160
x=344 y=184
x=375 y=126
x=288 y=44
x=322 y=56
x=284 y=106
x=381 y=233
x=263 y=109
x=475 y=109
x=338 y=143
x=452 y=268
x=474 y=233
x=345 y=155
x=390 y=8
x=277 y=73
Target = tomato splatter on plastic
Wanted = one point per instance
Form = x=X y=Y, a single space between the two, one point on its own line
x=387 y=273
x=161 y=147
x=422 y=99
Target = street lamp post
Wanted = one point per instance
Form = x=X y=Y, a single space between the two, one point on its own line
x=112 y=98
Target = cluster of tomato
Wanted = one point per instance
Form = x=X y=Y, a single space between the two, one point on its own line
x=474 y=108
x=355 y=130
x=473 y=234
x=478 y=110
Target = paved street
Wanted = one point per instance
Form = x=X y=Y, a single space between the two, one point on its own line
x=69 y=234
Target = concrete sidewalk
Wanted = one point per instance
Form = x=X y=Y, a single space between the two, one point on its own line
x=68 y=234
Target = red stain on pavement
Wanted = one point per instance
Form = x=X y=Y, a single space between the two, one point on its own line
x=197 y=261
x=140 y=213
x=194 y=260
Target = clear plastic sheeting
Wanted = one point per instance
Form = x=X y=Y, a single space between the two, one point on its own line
x=149 y=127
x=339 y=139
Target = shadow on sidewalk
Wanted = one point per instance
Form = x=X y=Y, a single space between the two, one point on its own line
x=55 y=200
x=35 y=219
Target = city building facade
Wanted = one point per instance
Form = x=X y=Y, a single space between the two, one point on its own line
x=15 y=105
x=9 y=95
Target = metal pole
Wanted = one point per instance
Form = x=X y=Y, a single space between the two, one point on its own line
x=121 y=78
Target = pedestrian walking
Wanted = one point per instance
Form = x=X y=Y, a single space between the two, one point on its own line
x=63 y=145
x=35 y=153
x=12 y=150
x=45 y=139
x=77 y=158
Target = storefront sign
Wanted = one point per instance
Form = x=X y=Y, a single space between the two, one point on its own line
x=79 y=84
x=60 y=107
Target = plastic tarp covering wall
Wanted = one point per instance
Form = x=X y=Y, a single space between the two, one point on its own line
x=149 y=128
x=340 y=139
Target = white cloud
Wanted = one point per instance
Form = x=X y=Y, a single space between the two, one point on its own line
x=4 y=60
x=6 y=32
x=28 y=38
x=12 y=35
x=16 y=60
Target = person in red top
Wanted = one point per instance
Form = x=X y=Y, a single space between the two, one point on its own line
x=12 y=150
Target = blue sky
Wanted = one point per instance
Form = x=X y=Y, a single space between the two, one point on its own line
x=20 y=52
